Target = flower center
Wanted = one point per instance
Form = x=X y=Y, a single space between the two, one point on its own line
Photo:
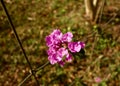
x=64 y=45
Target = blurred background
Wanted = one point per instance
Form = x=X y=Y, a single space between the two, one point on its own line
x=35 y=19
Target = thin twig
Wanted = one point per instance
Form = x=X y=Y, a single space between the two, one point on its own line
x=37 y=70
x=20 y=44
x=110 y=19
x=98 y=9
x=25 y=79
x=102 y=8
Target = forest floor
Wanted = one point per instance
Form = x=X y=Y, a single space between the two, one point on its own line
x=36 y=19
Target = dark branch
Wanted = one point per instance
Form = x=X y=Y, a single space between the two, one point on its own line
x=17 y=37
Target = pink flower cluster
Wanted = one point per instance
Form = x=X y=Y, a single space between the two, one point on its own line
x=61 y=46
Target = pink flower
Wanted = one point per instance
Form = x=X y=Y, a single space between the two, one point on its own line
x=60 y=45
x=98 y=79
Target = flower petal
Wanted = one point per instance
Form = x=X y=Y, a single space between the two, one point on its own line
x=67 y=37
x=62 y=52
x=61 y=63
x=82 y=44
x=68 y=58
x=74 y=46
x=52 y=59
x=49 y=41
